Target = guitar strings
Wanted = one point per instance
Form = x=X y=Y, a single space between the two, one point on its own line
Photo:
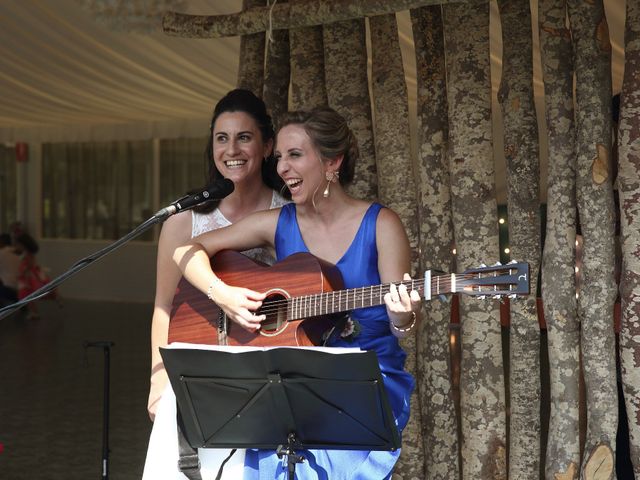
x=313 y=305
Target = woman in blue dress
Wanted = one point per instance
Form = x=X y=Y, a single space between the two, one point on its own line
x=316 y=153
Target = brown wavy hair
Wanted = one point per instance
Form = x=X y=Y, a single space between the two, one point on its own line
x=330 y=135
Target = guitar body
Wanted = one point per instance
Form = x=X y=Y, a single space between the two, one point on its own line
x=196 y=319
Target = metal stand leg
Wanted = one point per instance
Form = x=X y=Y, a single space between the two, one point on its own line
x=106 y=346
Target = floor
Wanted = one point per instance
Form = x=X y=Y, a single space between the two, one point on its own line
x=52 y=397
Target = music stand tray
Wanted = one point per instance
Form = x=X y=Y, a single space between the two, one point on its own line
x=282 y=399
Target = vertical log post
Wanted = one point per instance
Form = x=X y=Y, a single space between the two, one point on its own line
x=521 y=153
x=475 y=222
x=397 y=189
x=308 y=88
x=629 y=191
x=277 y=71
x=562 y=458
x=345 y=58
x=440 y=426
x=251 y=67
x=594 y=195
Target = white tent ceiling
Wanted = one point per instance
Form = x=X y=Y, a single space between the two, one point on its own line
x=65 y=76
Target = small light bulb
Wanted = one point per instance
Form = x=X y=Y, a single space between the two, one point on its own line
x=506 y=250
x=501 y=221
x=577 y=269
x=454 y=251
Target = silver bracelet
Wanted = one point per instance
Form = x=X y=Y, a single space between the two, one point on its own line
x=405 y=329
x=210 y=289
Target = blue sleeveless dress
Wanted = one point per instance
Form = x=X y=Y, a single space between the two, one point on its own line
x=359 y=267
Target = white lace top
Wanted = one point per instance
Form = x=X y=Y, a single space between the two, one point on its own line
x=205 y=222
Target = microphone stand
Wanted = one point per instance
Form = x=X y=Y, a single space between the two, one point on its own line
x=215 y=191
x=43 y=291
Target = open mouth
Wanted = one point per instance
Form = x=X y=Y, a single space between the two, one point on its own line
x=294 y=184
x=234 y=163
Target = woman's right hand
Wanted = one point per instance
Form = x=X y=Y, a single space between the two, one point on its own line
x=239 y=304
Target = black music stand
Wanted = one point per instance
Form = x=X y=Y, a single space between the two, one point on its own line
x=282 y=399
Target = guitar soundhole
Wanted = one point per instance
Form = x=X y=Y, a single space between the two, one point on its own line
x=275 y=308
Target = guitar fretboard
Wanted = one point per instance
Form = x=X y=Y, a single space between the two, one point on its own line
x=361 y=297
x=496 y=281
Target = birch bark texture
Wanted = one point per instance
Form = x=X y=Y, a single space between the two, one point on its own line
x=395 y=169
x=562 y=458
x=434 y=373
x=308 y=88
x=629 y=191
x=521 y=153
x=475 y=223
x=594 y=195
x=251 y=65
x=345 y=59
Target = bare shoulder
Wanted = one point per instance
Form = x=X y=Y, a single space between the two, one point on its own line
x=389 y=229
x=177 y=229
x=388 y=219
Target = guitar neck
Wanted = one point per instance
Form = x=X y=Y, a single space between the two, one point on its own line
x=345 y=300
x=495 y=281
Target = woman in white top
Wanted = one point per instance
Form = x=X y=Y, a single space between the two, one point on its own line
x=239 y=148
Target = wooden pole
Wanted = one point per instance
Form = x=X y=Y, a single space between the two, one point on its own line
x=397 y=190
x=475 y=223
x=308 y=88
x=434 y=373
x=594 y=193
x=345 y=58
x=629 y=190
x=251 y=67
x=562 y=458
x=523 y=174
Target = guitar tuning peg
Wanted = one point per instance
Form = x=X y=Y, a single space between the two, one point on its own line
x=482 y=265
x=513 y=295
x=482 y=297
x=497 y=264
x=512 y=262
x=497 y=297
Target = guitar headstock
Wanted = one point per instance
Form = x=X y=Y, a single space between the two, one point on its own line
x=497 y=280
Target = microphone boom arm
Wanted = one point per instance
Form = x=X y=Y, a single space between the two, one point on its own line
x=218 y=190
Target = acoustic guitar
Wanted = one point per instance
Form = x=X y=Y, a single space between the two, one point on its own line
x=305 y=295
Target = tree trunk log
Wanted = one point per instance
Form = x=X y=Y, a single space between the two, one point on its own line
x=284 y=16
x=397 y=191
x=475 y=222
x=629 y=191
x=594 y=195
x=434 y=375
x=559 y=259
x=308 y=88
x=345 y=57
x=521 y=153
x=251 y=67
x=277 y=72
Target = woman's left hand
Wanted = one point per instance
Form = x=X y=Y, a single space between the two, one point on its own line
x=401 y=304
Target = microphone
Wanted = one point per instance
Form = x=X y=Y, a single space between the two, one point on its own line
x=216 y=191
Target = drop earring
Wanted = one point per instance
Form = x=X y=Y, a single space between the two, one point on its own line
x=331 y=177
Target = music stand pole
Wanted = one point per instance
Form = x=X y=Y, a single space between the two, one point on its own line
x=289 y=452
x=106 y=346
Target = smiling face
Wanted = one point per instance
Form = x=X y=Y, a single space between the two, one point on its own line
x=238 y=146
x=299 y=164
